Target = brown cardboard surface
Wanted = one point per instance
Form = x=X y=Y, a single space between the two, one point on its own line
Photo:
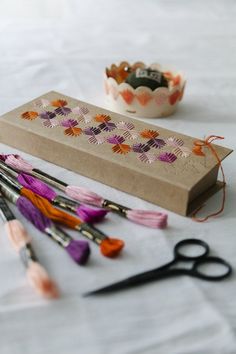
x=170 y=185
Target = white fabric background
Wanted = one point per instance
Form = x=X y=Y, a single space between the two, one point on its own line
x=65 y=45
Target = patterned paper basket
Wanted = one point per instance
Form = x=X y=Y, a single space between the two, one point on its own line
x=142 y=101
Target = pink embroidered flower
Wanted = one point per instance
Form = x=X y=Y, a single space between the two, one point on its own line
x=124 y=125
x=173 y=141
x=147 y=158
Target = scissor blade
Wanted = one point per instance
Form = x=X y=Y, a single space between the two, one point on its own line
x=136 y=280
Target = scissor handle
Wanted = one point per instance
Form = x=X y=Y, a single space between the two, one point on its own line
x=180 y=253
x=208 y=261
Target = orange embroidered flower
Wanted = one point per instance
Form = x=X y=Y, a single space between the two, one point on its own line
x=121 y=149
x=73 y=131
x=30 y=115
x=59 y=103
x=127 y=95
x=149 y=134
x=102 y=118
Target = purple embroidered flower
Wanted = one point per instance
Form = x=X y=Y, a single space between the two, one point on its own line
x=107 y=126
x=68 y=123
x=63 y=111
x=115 y=139
x=47 y=115
x=156 y=143
x=92 y=131
x=140 y=148
x=167 y=157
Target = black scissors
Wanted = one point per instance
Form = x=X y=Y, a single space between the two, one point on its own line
x=180 y=254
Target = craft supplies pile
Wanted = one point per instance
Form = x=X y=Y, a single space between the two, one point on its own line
x=174 y=171
x=35 y=199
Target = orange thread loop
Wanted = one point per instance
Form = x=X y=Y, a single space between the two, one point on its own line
x=198 y=145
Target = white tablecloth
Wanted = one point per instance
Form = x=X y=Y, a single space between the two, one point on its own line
x=64 y=45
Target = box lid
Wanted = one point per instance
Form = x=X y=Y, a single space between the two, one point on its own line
x=145 y=148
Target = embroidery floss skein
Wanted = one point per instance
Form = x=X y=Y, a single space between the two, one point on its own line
x=78 y=250
x=153 y=219
x=86 y=213
x=109 y=247
x=21 y=242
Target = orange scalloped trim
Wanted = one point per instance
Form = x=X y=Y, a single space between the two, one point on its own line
x=127 y=95
x=144 y=98
x=174 y=97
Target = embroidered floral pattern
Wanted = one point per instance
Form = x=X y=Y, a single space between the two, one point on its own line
x=149 y=148
x=83 y=113
x=72 y=129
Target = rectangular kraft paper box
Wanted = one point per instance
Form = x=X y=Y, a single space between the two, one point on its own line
x=144 y=160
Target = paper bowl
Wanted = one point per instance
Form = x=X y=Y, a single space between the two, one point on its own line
x=142 y=101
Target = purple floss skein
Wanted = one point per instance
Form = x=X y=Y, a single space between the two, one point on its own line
x=36 y=186
x=79 y=251
x=31 y=213
x=90 y=215
x=87 y=214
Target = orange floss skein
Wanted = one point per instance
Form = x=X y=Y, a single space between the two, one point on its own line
x=198 y=145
